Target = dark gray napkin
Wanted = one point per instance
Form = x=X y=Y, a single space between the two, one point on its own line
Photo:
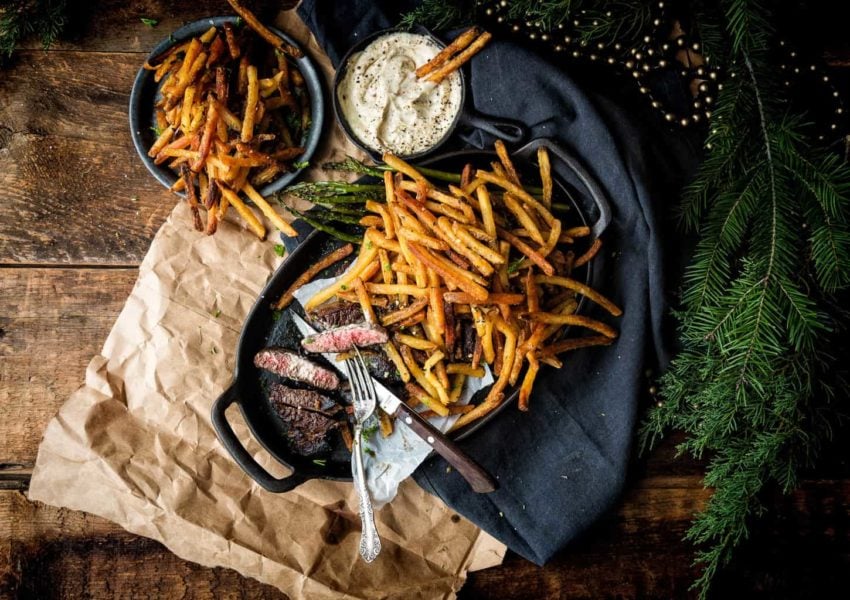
x=562 y=464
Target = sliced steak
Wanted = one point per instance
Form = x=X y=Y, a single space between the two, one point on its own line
x=380 y=366
x=285 y=363
x=467 y=341
x=345 y=338
x=337 y=314
x=282 y=395
x=307 y=431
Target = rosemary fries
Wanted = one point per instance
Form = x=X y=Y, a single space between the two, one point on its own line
x=464 y=47
x=231 y=117
x=467 y=276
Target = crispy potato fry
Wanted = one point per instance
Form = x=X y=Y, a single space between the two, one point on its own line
x=575 y=344
x=530 y=252
x=458 y=44
x=403 y=167
x=420 y=395
x=493 y=298
x=528 y=381
x=415 y=342
x=250 y=105
x=468 y=239
x=416 y=372
x=267 y=209
x=404 y=313
x=582 y=289
x=425 y=240
x=545 y=176
x=507 y=163
x=365 y=258
x=250 y=218
x=398 y=361
x=523 y=218
x=459 y=60
x=577 y=232
x=394 y=288
x=365 y=302
x=263 y=31
x=588 y=256
x=464 y=369
x=579 y=320
x=520 y=193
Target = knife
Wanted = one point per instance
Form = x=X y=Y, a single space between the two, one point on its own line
x=475 y=475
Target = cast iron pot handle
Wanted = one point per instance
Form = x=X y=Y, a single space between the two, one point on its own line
x=589 y=182
x=504 y=129
x=240 y=454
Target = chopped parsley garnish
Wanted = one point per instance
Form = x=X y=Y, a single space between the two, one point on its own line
x=239 y=21
x=213 y=350
x=149 y=22
x=343 y=287
x=368 y=244
x=369 y=451
x=322 y=462
x=369 y=431
x=514 y=266
x=279 y=249
x=301 y=164
x=157 y=130
x=276 y=314
x=216 y=313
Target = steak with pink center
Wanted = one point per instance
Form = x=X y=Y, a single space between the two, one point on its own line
x=292 y=366
x=345 y=338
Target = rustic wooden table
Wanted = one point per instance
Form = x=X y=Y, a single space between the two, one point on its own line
x=77 y=213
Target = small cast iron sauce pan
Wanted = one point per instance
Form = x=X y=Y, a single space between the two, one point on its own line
x=572 y=186
x=512 y=132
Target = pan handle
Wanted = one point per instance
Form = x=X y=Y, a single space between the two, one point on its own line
x=229 y=440
x=510 y=131
x=597 y=195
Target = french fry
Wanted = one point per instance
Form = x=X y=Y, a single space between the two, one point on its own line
x=579 y=320
x=459 y=60
x=386 y=267
x=464 y=369
x=523 y=218
x=582 y=289
x=270 y=212
x=507 y=163
x=367 y=255
x=530 y=252
x=545 y=176
x=416 y=372
x=588 y=256
x=403 y=167
x=493 y=298
x=458 y=44
x=577 y=232
x=425 y=240
x=465 y=236
x=415 y=342
x=531 y=292
x=420 y=395
x=394 y=288
x=528 y=381
x=520 y=193
x=365 y=302
x=404 y=313
x=397 y=360
x=250 y=105
x=162 y=141
x=249 y=217
x=263 y=31
x=574 y=344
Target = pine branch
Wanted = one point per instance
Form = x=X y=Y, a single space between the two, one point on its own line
x=20 y=19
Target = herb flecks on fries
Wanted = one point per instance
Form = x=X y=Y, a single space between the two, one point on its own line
x=484 y=254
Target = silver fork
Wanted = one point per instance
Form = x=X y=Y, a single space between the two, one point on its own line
x=365 y=402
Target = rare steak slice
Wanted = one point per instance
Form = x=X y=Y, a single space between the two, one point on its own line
x=282 y=395
x=342 y=339
x=286 y=363
x=307 y=430
x=337 y=314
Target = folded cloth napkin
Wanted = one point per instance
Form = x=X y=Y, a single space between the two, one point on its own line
x=562 y=464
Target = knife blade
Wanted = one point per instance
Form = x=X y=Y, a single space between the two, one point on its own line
x=475 y=475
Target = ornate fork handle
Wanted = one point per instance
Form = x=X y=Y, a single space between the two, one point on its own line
x=370 y=543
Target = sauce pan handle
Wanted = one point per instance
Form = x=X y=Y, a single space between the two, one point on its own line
x=229 y=440
x=512 y=132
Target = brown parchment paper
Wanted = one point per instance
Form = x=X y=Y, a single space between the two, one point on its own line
x=135 y=444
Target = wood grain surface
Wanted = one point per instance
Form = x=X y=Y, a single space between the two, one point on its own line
x=77 y=214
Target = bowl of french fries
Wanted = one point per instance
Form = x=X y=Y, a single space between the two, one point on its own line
x=226 y=112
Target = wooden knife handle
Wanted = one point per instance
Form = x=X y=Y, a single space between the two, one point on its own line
x=475 y=475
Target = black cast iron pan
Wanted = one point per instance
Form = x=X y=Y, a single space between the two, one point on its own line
x=510 y=131
x=573 y=185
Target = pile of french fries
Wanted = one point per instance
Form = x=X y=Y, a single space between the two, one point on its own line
x=486 y=252
x=232 y=115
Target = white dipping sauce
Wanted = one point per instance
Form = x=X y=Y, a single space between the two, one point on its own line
x=387 y=108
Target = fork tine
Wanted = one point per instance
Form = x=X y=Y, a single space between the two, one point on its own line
x=355 y=388
x=370 y=385
x=357 y=367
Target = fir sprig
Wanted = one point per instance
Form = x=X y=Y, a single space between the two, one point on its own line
x=750 y=387
x=20 y=19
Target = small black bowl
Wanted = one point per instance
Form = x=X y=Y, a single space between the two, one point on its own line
x=145 y=92
x=508 y=130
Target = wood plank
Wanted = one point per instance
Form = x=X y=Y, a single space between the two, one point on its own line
x=74 y=190
x=116 y=26
x=52 y=321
